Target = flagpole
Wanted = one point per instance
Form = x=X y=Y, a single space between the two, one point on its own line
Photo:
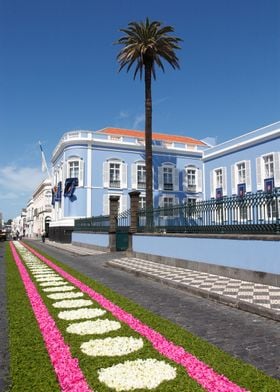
x=44 y=162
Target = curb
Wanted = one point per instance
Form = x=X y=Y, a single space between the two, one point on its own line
x=238 y=304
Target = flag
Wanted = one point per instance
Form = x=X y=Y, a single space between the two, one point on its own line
x=44 y=163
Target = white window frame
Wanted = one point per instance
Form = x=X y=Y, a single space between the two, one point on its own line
x=197 y=186
x=106 y=173
x=80 y=162
x=175 y=202
x=134 y=175
x=213 y=181
x=260 y=170
x=235 y=180
x=174 y=173
x=106 y=202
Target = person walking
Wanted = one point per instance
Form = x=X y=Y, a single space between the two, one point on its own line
x=43 y=236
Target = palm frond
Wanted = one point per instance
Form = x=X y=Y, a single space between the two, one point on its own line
x=147 y=43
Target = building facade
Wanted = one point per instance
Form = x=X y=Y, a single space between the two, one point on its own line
x=247 y=164
x=89 y=167
x=40 y=209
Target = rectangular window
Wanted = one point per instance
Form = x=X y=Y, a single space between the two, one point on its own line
x=74 y=169
x=115 y=175
x=168 y=178
x=168 y=203
x=142 y=202
x=141 y=177
x=191 y=180
x=268 y=166
x=241 y=173
x=219 y=178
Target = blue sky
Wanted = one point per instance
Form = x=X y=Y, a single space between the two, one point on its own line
x=58 y=72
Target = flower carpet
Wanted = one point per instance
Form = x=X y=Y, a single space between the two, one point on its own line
x=93 y=344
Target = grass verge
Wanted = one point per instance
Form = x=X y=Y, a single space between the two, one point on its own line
x=30 y=367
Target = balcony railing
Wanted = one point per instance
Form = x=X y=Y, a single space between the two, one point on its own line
x=168 y=187
x=114 y=184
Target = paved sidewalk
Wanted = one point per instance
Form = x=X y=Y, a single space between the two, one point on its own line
x=81 y=251
x=253 y=297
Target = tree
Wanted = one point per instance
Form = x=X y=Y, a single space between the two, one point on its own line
x=145 y=45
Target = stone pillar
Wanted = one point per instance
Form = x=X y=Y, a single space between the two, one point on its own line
x=134 y=207
x=113 y=208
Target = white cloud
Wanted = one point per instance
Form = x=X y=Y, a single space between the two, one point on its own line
x=8 y=196
x=139 y=119
x=123 y=115
x=20 y=180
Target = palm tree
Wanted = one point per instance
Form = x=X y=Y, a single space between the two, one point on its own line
x=145 y=44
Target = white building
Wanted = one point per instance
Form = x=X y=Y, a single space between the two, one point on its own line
x=42 y=208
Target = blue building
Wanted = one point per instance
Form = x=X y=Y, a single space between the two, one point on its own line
x=88 y=167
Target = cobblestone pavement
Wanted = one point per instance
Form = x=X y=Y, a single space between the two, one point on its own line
x=250 y=337
x=257 y=298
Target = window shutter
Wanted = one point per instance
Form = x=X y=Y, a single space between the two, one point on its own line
x=106 y=174
x=276 y=164
x=106 y=204
x=259 y=173
x=199 y=180
x=176 y=179
x=134 y=176
x=185 y=179
x=176 y=203
x=160 y=202
x=233 y=180
x=224 y=181
x=212 y=186
x=248 y=176
x=160 y=178
x=81 y=173
x=123 y=203
x=124 y=175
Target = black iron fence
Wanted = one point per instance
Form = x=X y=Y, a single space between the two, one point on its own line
x=94 y=224
x=123 y=220
x=252 y=213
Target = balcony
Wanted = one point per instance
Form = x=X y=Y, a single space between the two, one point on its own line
x=115 y=184
x=168 y=187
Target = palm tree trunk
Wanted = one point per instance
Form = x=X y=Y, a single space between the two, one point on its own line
x=148 y=136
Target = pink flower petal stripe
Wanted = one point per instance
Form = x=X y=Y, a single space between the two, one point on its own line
x=70 y=376
x=199 y=371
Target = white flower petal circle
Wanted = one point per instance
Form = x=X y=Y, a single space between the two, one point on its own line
x=149 y=374
x=79 y=314
x=72 y=303
x=93 y=327
x=111 y=347
x=59 y=289
x=65 y=295
x=46 y=284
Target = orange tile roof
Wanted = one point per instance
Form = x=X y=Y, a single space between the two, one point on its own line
x=156 y=136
